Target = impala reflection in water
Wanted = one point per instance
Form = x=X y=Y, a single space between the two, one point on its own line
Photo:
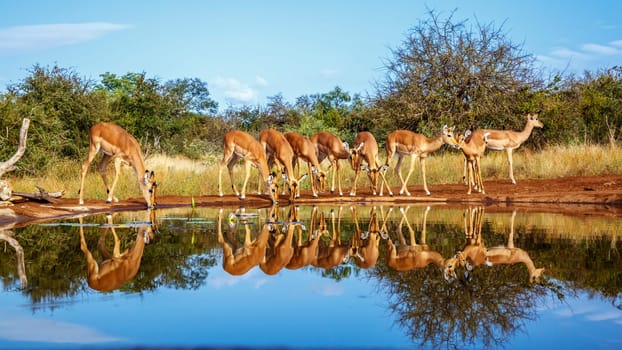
x=406 y=275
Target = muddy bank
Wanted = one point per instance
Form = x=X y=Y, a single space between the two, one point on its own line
x=584 y=195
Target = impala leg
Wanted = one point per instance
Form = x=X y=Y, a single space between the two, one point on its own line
x=385 y=183
x=404 y=189
x=221 y=167
x=314 y=177
x=479 y=175
x=510 y=165
x=425 y=184
x=339 y=176
x=117 y=171
x=398 y=170
x=85 y=168
x=470 y=174
x=230 y=166
x=247 y=175
x=357 y=173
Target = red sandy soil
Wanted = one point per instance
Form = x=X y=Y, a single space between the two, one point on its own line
x=583 y=195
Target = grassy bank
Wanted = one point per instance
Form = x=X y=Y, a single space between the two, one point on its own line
x=180 y=176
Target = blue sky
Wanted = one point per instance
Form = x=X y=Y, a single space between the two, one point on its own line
x=249 y=50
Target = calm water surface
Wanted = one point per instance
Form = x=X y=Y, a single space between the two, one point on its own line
x=314 y=277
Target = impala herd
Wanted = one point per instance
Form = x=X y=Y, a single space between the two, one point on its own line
x=285 y=152
x=273 y=249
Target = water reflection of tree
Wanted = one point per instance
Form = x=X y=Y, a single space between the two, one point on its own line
x=484 y=308
x=487 y=309
x=56 y=268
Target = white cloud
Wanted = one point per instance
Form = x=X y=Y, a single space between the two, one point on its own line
x=329 y=73
x=42 y=36
x=600 y=49
x=568 y=53
x=604 y=316
x=260 y=81
x=616 y=43
x=235 y=91
x=327 y=290
x=49 y=331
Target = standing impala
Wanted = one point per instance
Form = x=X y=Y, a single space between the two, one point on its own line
x=508 y=140
x=305 y=150
x=330 y=146
x=116 y=143
x=365 y=149
x=238 y=144
x=279 y=151
x=407 y=143
x=473 y=147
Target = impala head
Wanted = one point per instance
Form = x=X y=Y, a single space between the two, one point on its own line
x=293 y=185
x=535 y=276
x=355 y=155
x=273 y=188
x=451 y=264
x=149 y=187
x=319 y=176
x=372 y=174
x=532 y=119
x=449 y=136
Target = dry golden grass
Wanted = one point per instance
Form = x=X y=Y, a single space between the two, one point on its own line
x=181 y=176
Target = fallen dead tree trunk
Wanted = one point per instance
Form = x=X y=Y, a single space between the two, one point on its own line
x=42 y=195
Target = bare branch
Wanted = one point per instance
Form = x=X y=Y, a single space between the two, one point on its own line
x=9 y=165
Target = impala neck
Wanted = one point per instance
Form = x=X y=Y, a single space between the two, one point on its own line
x=529 y=263
x=435 y=143
x=524 y=135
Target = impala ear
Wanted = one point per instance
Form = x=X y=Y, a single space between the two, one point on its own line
x=346 y=146
x=360 y=146
x=364 y=167
x=384 y=167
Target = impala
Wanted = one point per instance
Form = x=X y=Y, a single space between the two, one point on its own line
x=365 y=149
x=508 y=140
x=280 y=152
x=240 y=145
x=330 y=146
x=238 y=260
x=413 y=255
x=305 y=252
x=334 y=252
x=474 y=251
x=280 y=246
x=305 y=150
x=364 y=247
x=511 y=255
x=407 y=143
x=473 y=147
x=117 y=268
x=116 y=143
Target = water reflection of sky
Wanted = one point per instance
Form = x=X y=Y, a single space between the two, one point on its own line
x=294 y=309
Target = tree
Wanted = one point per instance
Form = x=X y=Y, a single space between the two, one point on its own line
x=448 y=72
